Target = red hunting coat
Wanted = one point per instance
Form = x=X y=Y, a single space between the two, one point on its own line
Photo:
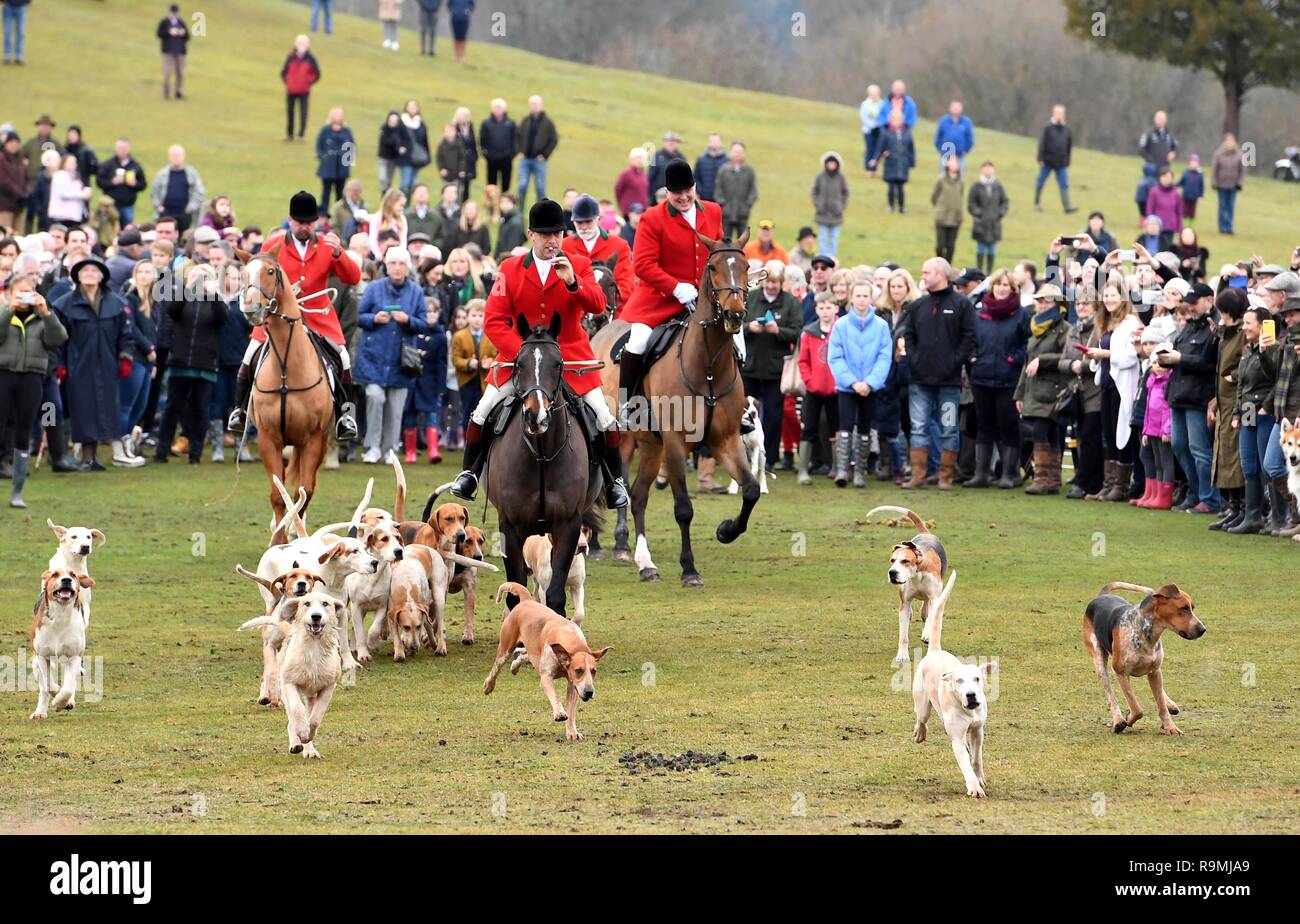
x=668 y=252
x=312 y=273
x=608 y=247
x=518 y=290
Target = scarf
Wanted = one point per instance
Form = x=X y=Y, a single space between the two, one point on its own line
x=1041 y=323
x=1000 y=309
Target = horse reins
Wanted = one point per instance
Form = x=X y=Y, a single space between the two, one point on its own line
x=273 y=311
x=717 y=318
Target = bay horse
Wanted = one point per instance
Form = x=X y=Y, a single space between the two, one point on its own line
x=292 y=404
x=540 y=475
x=696 y=400
x=604 y=273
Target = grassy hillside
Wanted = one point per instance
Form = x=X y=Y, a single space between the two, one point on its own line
x=232 y=124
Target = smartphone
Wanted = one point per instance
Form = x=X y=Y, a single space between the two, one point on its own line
x=1084 y=349
x=1127 y=256
x=29 y=298
x=1066 y=240
x=1268 y=329
x=1238 y=282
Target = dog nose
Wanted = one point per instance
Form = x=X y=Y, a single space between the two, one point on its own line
x=588 y=695
x=1200 y=630
x=85 y=550
x=397 y=554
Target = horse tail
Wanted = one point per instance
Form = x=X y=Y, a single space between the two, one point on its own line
x=592 y=517
x=433 y=498
x=510 y=587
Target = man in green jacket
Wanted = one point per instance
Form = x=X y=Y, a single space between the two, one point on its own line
x=736 y=190
x=773 y=320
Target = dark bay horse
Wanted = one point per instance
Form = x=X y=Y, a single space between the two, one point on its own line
x=696 y=400
x=292 y=404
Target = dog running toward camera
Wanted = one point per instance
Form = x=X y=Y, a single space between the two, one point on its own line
x=75 y=545
x=58 y=637
x=917 y=568
x=1129 y=635
x=554 y=646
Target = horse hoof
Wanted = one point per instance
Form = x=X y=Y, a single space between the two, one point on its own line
x=598 y=555
x=727 y=531
x=692 y=580
x=649 y=574
x=622 y=555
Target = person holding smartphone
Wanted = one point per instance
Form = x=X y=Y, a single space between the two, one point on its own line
x=1253 y=422
x=1040 y=385
x=1117 y=372
x=1191 y=386
x=28 y=332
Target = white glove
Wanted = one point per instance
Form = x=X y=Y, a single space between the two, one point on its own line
x=685 y=293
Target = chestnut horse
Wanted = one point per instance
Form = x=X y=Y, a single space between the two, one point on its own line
x=695 y=400
x=291 y=400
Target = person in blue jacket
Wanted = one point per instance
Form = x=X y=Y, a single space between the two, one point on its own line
x=391 y=315
x=954 y=134
x=428 y=391
x=860 y=353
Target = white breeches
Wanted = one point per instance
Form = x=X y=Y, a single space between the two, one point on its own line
x=638 y=338
x=255 y=345
x=492 y=396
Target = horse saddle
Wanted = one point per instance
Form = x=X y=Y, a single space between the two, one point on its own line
x=661 y=340
x=329 y=357
x=499 y=417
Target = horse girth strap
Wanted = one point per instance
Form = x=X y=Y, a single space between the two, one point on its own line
x=283 y=359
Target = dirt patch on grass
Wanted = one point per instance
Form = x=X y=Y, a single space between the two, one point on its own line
x=635 y=762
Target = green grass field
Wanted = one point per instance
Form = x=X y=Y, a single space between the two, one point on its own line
x=785 y=655
x=233 y=122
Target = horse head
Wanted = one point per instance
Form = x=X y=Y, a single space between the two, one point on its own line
x=538 y=373
x=262 y=285
x=725 y=283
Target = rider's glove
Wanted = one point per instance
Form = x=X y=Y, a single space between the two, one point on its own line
x=685 y=293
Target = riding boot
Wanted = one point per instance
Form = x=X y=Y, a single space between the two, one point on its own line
x=431 y=445
x=243 y=388
x=1234 y=509
x=408 y=444
x=947 y=468
x=20 y=478
x=616 y=495
x=805 y=453
x=630 y=367
x=1043 y=478
x=842 y=452
x=1252 y=520
x=860 y=470
x=1277 y=508
x=466 y=483
x=918 y=457
x=1119 y=490
x=1010 y=453
x=346 y=428
x=983 y=466
x=1108 y=483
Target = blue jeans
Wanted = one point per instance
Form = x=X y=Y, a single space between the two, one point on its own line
x=940 y=404
x=328 y=7
x=531 y=167
x=223 y=393
x=1260 y=449
x=133 y=395
x=982 y=250
x=1194 y=448
x=15 y=32
x=1227 y=205
x=1062 y=178
x=871 y=140
x=408 y=174
x=828 y=239
x=126 y=215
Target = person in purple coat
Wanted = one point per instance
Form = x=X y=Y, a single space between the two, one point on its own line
x=1165 y=201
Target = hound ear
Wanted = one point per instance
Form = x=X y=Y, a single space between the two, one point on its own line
x=1286 y=423
x=45 y=578
x=334 y=551
x=98 y=536
x=604 y=651
x=278 y=583
x=706 y=241
x=85 y=580
x=289 y=608
x=521 y=325
x=1171 y=591
x=561 y=655
x=555 y=325
x=909 y=544
x=59 y=531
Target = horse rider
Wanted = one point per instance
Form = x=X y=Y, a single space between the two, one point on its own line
x=599 y=246
x=307 y=259
x=669 y=262
x=540 y=284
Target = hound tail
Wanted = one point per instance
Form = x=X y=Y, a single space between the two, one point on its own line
x=399 y=502
x=469 y=562
x=428 y=505
x=911 y=515
x=361 y=507
x=259 y=622
x=1124 y=585
x=510 y=587
x=271 y=589
x=294 y=513
x=936 y=632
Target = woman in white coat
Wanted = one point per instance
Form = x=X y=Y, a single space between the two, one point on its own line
x=1117 y=370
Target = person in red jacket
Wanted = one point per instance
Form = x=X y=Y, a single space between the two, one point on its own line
x=539 y=285
x=819 y=383
x=300 y=71
x=599 y=246
x=307 y=259
x=669 y=262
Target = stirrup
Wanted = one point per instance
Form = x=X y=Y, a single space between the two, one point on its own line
x=346 y=427
x=464 y=485
x=616 y=494
x=235 y=423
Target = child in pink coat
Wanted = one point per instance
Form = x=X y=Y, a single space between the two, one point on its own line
x=1157 y=425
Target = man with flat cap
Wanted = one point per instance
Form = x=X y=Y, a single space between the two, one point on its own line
x=669 y=262
x=599 y=246
x=539 y=285
x=307 y=259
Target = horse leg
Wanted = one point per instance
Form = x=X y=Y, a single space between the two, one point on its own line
x=732 y=456
x=645 y=476
x=516 y=570
x=563 y=548
x=306 y=465
x=623 y=551
x=274 y=465
x=683 y=511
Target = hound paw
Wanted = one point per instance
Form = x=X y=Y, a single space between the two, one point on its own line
x=310 y=753
x=1119 y=726
x=902 y=657
x=976 y=792
x=364 y=657
x=38 y=714
x=1170 y=729
x=398 y=657
x=295 y=749
x=467 y=640
x=560 y=716
x=441 y=651
x=488 y=687
x=919 y=734
x=573 y=735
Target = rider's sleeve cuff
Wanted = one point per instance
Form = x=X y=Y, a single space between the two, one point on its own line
x=573 y=287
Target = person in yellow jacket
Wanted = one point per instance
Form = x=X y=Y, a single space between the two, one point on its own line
x=471 y=353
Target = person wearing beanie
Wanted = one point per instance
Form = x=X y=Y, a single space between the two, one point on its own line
x=307 y=259
x=544 y=285
x=830 y=195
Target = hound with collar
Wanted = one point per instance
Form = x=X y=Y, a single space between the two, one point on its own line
x=917 y=568
x=58 y=637
x=1129 y=635
x=75 y=545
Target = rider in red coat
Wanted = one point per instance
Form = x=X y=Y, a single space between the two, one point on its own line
x=539 y=285
x=669 y=262
x=599 y=246
x=307 y=260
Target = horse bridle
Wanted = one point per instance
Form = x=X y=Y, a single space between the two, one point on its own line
x=272 y=303
x=720 y=315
